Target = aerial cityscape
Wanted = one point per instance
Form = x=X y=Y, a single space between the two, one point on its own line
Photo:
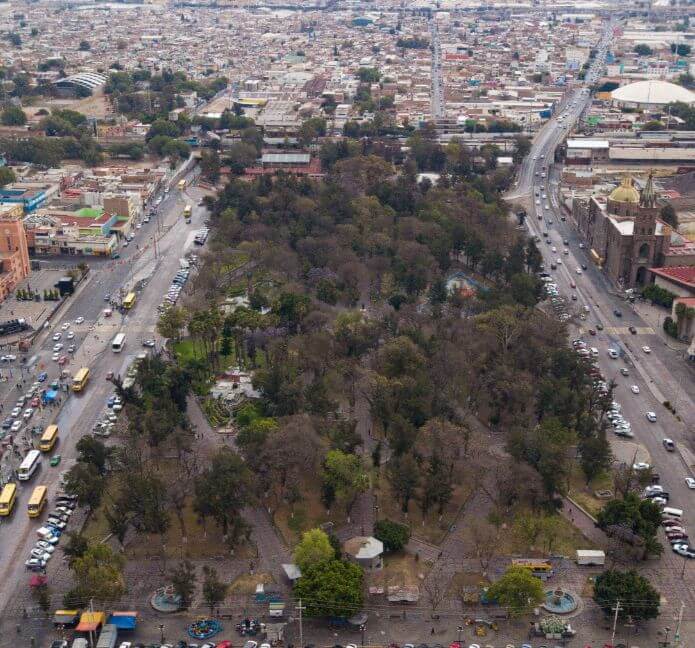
x=328 y=323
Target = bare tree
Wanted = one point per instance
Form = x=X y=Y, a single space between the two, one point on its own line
x=485 y=542
x=435 y=589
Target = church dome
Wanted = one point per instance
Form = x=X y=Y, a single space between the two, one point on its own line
x=625 y=192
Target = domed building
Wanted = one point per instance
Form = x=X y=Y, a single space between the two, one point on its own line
x=623 y=232
x=651 y=95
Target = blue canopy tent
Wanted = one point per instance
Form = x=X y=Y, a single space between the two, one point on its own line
x=49 y=396
x=124 y=620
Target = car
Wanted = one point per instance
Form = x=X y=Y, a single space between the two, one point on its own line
x=107 y=297
x=624 y=371
x=40 y=554
x=70 y=335
x=16 y=426
x=641 y=465
x=617 y=312
x=651 y=417
x=668 y=444
x=584 y=267
x=646 y=349
x=46 y=547
x=599 y=326
x=8 y=358
x=632 y=330
x=57 y=336
x=62 y=360
x=55 y=460
x=28 y=413
x=42 y=377
x=612 y=353
x=72 y=348
x=148 y=343
x=57 y=347
x=690 y=483
x=59 y=643
x=654 y=488
x=250 y=644
x=634 y=389
x=65 y=326
x=56 y=522
x=79 y=320
x=34 y=564
x=684 y=550
x=659 y=501
x=16 y=411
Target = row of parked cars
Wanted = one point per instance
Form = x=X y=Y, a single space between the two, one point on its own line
x=175 y=289
x=49 y=533
x=105 y=425
x=557 y=301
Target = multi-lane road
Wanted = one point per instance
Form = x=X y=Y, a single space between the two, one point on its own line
x=142 y=262
x=658 y=374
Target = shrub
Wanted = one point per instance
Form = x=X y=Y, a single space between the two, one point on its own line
x=394 y=536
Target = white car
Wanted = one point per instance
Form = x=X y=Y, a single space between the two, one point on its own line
x=58 y=347
x=634 y=389
x=55 y=357
x=65 y=326
x=612 y=353
x=79 y=320
x=16 y=426
x=57 y=336
x=579 y=271
x=690 y=482
x=641 y=465
x=70 y=335
x=28 y=413
x=45 y=546
x=646 y=349
x=651 y=417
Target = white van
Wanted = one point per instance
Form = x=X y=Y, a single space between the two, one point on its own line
x=80 y=643
x=667 y=511
x=594 y=352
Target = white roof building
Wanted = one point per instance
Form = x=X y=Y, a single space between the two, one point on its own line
x=652 y=93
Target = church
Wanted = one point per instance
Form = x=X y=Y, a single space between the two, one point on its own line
x=623 y=233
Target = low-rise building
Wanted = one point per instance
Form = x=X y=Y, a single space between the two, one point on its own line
x=14 y=253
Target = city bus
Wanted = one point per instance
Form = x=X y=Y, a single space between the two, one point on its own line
x=37 y=501
x=539 y=568
x=80 y=379
x=129 y=301
x=7 y=499
x=49 y=438
x=29 y=465
x=118 y=343
x=181 y=185
x=187 y=212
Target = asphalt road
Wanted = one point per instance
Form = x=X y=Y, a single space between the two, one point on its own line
x=93 y=338
x=437 y=89
x=659 y=375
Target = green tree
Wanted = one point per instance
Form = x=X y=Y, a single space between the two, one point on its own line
x=594 y=455
x=368 y=75
x=99 y=573
x=222 y=491
x=85 y=46
x=518 y=590
x=183 y=580
x=638 y=599
x=214 y=590
x=331 y=589
x=311 y=129
x=85 y=481
x=74 y=546
x=93 y=451
x=210 y=165
x=394 y=536
x=403 y=475
x=13 y=116
x=313 y=548
x=681 y=49
x=171 y=323
x=7 y=176
x=642 y=50
x=346 y=476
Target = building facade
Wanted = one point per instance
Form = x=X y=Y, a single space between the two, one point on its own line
x=14 y=253
x=623 y=232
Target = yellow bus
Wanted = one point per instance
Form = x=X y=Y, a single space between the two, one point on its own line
x=182 y=185
x=37 y=501
x=187 y=211
x=7 y=499
x=539 y=568
x=49 y=438
x=80 y=379
x=129 y=300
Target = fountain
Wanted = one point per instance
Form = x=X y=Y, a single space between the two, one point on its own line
x=166 y=600
x=559 y=601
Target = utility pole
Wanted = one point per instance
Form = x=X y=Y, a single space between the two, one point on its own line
x=300 y=608
x=616 y=609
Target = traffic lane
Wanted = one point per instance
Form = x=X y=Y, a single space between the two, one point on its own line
x=75 y=419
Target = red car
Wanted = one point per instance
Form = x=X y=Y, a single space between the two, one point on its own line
x=35 y=401
x=224 y=644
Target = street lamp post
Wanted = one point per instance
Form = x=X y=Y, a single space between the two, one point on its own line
x=362 y=629
x=161 y=632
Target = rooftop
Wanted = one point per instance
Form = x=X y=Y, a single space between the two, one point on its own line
x=653 y=92
x=684 y=275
